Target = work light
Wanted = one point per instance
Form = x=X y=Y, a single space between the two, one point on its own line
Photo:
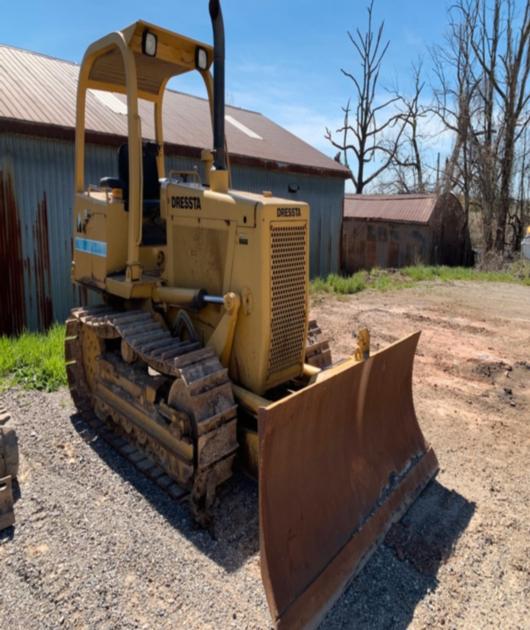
x=201 y=58
x=149 y=42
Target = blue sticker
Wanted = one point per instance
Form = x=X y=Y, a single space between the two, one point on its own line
x=88 y=246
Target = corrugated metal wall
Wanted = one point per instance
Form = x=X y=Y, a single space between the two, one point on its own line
x=36 y=193
x=40 y=174
x=368 y=244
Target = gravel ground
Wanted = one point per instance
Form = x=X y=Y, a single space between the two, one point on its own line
x=96 y=545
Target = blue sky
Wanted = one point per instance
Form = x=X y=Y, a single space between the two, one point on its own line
x=283 y=57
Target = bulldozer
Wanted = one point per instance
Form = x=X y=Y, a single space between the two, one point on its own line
x=200 y=356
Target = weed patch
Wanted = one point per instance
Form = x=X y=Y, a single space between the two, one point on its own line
x=33 y=360
x=388 y=279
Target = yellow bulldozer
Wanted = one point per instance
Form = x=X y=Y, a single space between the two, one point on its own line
x=201 y=349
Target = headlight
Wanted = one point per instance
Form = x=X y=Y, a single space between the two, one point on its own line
x=201 y=58
x=149 y=42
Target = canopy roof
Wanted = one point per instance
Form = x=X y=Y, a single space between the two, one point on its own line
x=175 y=54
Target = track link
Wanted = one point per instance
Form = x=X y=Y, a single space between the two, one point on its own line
x=318 y=352
x=176 y=421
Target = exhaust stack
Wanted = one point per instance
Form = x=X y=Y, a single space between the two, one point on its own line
x=218 y=85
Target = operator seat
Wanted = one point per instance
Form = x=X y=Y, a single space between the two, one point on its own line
x=153 y=228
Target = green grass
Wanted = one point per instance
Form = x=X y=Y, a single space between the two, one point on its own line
x=387 y=279
x=33 y=360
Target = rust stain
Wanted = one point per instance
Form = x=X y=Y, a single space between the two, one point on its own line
x=42 y=266
x=12 y=309
x=367 y=244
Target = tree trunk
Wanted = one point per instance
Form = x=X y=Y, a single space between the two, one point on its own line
x=503 y=209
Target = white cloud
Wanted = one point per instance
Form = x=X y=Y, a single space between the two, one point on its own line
x=289 y=105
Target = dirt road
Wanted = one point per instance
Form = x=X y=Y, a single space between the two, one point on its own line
x=96 y=545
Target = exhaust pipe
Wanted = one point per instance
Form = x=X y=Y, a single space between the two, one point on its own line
x=218 y=85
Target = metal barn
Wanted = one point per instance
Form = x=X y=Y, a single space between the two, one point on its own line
x=400 y=230
x=37 y=118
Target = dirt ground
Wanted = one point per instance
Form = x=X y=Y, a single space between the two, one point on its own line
x=461 y=556
x=97 y=545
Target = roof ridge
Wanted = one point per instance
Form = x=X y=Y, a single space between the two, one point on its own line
x=394 y=195
x=38 y=54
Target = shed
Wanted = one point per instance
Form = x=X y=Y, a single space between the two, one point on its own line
x=37 y=119
x=400 y=230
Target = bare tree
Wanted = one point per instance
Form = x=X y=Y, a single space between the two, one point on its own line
x=362 y=133
x=453 y=103
x=407 y=165
x=520 y=212
x=503 y=53
x=485 y=103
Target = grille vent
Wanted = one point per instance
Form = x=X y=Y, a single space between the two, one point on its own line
x=289 y=298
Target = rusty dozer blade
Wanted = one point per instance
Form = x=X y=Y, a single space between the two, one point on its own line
x=339 y=462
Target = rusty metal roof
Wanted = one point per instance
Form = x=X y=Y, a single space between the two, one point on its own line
x=412 y=208
x=40 y=91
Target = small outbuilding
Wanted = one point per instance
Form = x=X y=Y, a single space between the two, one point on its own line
x=400 y=230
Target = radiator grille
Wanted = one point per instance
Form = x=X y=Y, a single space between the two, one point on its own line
x=289 y=298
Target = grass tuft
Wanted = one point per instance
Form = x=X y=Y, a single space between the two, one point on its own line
x=343 y=285
x=387 y=279
x=33 y=360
